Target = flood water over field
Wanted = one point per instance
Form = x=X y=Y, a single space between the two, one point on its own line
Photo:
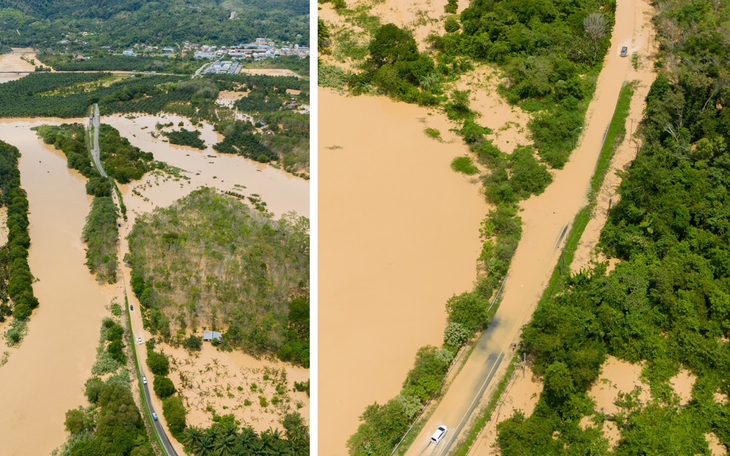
x=45 y=376
x=398 y=235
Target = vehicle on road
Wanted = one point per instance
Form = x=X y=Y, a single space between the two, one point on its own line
x=624 y=51
x=439 y=434
x=144 y=379
x=154 y=416
x=139 y=340
x=131 y=307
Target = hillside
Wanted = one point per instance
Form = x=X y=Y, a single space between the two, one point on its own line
x=211 y=262
x=168 y=22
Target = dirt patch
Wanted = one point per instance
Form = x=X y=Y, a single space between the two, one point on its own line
x=617 y=377
x=211 y=381
x=682 y=384
x=4 y=231
x=508 y=123
x=522 y=393
x=269 y=72
x=716 y=447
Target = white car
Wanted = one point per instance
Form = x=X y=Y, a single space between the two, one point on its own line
x=139 y=340
x=144 y=379
x=439 y=434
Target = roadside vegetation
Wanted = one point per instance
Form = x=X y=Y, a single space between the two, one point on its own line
x=111 y=423
x=550 y=55
x=664 y=304
x=101 y=237
x=16 y=289
x=228 y=268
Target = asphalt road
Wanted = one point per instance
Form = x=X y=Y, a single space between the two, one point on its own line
x=159 y=428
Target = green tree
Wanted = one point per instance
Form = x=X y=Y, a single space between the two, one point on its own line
x=392 y=44
x=174 y=412
x=163 y=387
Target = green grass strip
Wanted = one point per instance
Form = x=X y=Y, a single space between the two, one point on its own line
x=614 y=137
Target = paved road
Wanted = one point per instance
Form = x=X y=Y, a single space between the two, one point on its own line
x=544 y=220
x=95 y=122
x=95 y=148
x=169 y=449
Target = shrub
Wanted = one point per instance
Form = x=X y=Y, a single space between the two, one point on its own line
x=163 y=387
x=174 y=413
x=158 y=363
x=468 y=309
x=464 y=165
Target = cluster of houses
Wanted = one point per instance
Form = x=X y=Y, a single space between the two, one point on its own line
x=260 y=49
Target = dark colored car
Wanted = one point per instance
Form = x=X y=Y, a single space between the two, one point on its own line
x=624 y=51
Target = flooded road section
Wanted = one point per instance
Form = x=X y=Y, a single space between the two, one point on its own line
x=281 y=191
x=398 y=235
x=45 y=376
x=544 y=219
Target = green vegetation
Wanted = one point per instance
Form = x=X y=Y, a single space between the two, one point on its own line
x=230 y=439
x=185 y=138
x=464 y=165
x=174 y=412
x=101 y=61
x=101 y=237
x=665 y=303
x=16 y=284
x=121 y=24
x=226 y=267
x=112 y=423
x=120 y=159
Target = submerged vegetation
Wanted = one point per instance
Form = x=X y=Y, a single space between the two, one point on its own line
x=228 y=268
x=112 y=424
x=271 y=125
x=16 y=289
x=185 y=137
x=665 y=303
x=550 y=54
x=101 y=237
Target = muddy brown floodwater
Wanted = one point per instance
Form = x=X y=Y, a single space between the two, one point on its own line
x=13 y=62
x=544 y=218
x=398 y=235
x=45 y=376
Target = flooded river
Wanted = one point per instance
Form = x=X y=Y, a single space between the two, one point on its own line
x=398 y=235
x=45 y=376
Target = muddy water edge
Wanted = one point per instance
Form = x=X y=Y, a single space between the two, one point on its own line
x=398 y=235
x=45 y=376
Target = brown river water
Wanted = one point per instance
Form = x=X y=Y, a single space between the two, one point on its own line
x=398 y=235
x=44 y=377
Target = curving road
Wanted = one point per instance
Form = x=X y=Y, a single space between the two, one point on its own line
x=545 y=218
x=94 y=123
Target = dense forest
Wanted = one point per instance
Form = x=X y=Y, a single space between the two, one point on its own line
x=112 y=423
x=665 y=304
x=16 y=284
x=119 y=24
x=226 y=267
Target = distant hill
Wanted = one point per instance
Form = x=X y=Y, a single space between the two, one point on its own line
x=121 y=23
